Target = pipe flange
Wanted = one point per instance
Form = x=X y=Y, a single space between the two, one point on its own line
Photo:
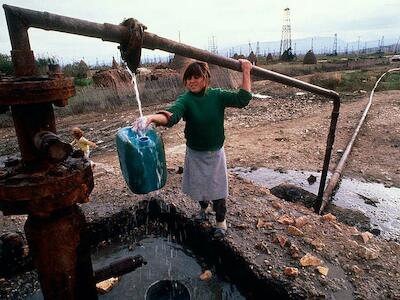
x=131 y=49
x=36 y=89
x=42 y=192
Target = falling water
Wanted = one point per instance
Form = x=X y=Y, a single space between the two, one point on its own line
x=135 y=86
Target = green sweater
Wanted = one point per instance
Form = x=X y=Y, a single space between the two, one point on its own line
x=204 y=116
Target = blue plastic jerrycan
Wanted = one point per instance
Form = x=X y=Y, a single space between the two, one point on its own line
x=142 y=159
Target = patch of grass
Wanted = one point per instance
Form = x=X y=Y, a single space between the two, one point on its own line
x=83 y=81
x=351 y=81
x=390 y=82
x=357 y=80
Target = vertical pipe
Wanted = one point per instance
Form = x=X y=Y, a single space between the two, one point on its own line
x=21 y=54
x=61 y=254
x=29 y=119
x=328 y=152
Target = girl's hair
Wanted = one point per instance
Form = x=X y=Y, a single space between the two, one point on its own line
x=77 y=132
x=197 y=68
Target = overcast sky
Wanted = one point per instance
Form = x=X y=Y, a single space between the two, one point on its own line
x=231 y=22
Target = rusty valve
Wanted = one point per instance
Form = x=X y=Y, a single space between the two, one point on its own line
x=52 y=146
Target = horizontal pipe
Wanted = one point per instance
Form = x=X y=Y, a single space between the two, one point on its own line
x=119 y=34
x=119 y=268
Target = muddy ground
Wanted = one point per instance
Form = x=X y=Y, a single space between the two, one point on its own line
x=287 y=131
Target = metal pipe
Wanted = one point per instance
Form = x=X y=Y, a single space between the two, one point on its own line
x=119 y=34
x=119 y=268
x=61 y=254
x=333 y=181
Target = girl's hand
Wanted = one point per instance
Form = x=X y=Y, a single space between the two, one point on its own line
x=141 y=124
x=246 y=65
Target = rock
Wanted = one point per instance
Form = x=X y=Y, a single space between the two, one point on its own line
x=294 y=251
x=309 y=260
x=281 y=239
x=328 y=218
x=323 y=270
x=356 y=269
x=285 y=219
x=338 y=228
x=263 y=246
x=206 y=275
x=293 y=193
x=363 y=237
x=106 y=285
x=289 y=271
x=317 y=244
x=264 y=224
x=301 y=221
x=275 y=204
x=311 y=179
x=376 y=231
x=243 y=226
x=295 y=231
x=368 y=253
x=353 y=243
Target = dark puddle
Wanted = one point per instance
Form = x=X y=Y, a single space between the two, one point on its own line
x=166 y=260
x=378 y=203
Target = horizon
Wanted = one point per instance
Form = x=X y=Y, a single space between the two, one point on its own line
x=182 y=22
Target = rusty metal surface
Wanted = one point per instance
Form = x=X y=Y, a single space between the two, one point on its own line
x=35 y=89
x=119 y=268
x=61 y=253
x=328 y=153
x=52 y=146
x=132 y=49
x=43 y=192
x=24 y=63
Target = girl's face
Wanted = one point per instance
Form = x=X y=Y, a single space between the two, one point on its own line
x=196 y=84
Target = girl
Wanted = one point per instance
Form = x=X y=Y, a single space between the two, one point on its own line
x=82 y=143
x=205 y=176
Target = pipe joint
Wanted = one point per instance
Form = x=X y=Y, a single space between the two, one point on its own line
x=131 y=48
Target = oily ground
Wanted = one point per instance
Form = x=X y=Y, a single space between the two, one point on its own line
x=287 y=131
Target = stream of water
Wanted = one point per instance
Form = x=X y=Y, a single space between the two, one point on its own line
x=135 y=86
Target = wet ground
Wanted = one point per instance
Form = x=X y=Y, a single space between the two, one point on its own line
x=381 y=204
x=287 y=132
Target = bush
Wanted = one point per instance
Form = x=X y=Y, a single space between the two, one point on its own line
x=83 y=81
x=331 y=82
x=6 y=66
x=78 y=70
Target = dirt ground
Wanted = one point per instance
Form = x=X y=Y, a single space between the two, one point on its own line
x=287 y=131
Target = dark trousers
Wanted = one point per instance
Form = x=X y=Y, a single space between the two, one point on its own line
x=219 y=206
